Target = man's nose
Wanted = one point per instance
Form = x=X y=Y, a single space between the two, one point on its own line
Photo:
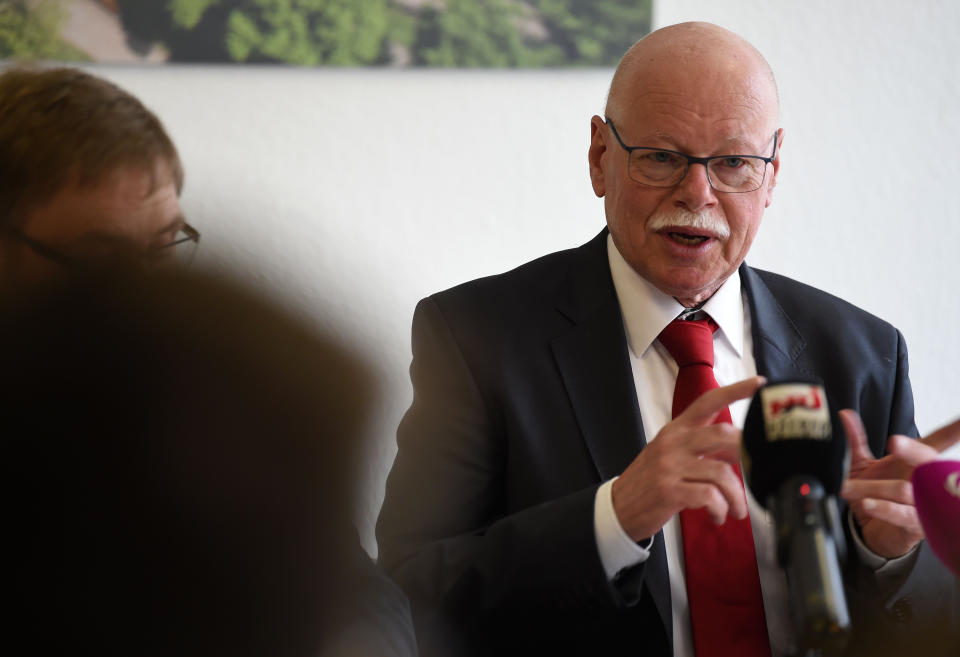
x=694 y=192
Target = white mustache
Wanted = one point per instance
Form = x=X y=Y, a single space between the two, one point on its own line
x=680 y=218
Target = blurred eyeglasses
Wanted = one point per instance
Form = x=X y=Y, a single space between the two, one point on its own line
x=180 y=251
x=183 y=247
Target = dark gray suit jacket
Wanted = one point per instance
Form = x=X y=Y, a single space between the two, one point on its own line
x=524 y=403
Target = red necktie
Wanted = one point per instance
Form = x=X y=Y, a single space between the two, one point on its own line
x=723 y=586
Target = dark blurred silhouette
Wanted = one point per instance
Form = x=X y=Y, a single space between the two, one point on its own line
x=181 y=458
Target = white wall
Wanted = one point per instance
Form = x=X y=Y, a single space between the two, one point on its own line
x=352 y=194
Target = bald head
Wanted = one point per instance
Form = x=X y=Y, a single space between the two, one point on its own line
x=700 y=60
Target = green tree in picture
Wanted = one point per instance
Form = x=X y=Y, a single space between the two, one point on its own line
x=595 y=32
x=478 y=33
x=308 y=32
x=441 y=33
x=534 y=33
x=31 y=30
x=300 y=32
x=187 y=13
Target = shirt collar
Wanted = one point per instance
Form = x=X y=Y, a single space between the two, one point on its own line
x=647 y=311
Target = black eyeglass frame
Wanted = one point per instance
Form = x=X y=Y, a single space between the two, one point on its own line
x=191 y=234
x=705 y=161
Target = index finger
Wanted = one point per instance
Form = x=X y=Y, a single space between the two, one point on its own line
x=705 y=408
x=944 y=438
x=856 y=436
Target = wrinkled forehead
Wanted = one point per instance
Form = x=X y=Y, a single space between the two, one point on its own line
x=697 y=74
x=696 y=107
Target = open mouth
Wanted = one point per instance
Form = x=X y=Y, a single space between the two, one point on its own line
x=688 y=239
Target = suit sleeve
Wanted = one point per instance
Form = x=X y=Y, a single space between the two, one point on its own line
x=901 y=407
x=444 y=531
x=916 y=611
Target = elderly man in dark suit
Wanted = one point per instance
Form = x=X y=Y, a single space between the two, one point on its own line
x=550 y=497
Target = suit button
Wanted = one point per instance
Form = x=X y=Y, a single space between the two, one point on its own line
x=902 y=611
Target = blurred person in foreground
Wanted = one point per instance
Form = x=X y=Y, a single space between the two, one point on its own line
x=180 y=458
x=553 y=492
x=88 y=174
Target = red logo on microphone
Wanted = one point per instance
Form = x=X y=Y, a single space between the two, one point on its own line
x=809 y=401
x=793 y=411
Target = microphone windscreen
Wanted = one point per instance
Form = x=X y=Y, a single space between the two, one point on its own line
x=791 y=430
x=936 y=494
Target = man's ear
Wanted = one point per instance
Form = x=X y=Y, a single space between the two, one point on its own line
x=595 y=156
x=776 y=170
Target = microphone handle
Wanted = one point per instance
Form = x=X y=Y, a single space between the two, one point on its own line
x=806 y=522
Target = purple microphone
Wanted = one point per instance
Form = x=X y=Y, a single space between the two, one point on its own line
x=936 y=493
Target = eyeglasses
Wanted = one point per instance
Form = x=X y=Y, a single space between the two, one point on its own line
x=179 y=251
x=659 y=167
x=183 y=246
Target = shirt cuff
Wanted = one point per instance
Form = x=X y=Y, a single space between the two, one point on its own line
x=881 y=566
x=617 y=550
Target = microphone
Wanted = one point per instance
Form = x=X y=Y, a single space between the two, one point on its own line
x=936 y=494
x=794 y=460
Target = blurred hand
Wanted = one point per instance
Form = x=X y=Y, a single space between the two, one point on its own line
x=687 y=466
x=879 y=490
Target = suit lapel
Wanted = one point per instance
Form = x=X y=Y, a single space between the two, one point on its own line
x=778 y=346
x=594 y=364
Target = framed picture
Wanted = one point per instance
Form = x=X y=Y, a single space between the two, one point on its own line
x=341 y=33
